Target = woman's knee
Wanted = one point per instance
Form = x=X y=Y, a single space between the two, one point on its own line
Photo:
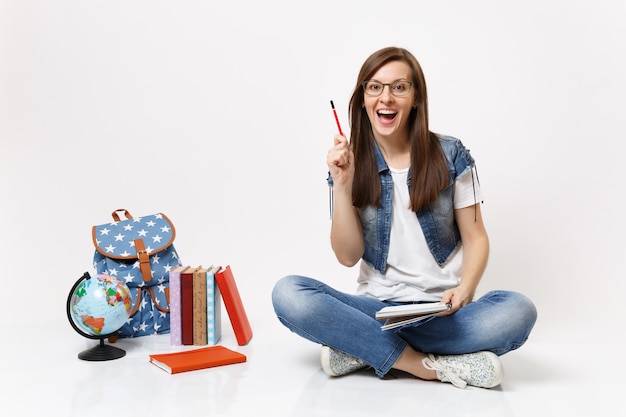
x=525 y=308
x=517 y=304
x=521 y=316
x=285 y=294
x=281 y=290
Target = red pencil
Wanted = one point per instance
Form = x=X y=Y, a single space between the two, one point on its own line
x=336 y=118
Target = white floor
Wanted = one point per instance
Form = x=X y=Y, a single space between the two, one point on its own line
x=41 y=375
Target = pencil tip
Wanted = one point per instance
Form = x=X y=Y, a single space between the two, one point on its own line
x=332 y=104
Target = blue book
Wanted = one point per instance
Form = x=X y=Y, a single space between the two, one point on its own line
x=213 y=307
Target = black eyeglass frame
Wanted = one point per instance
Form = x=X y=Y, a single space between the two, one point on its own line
x=390 y=85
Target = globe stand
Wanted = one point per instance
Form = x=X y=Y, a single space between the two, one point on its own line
x=102 y=352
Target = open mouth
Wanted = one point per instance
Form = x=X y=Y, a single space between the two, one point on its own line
x=386 y=115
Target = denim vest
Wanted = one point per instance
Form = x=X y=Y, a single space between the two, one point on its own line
x=437 y=219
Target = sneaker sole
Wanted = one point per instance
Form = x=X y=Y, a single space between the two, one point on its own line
x=325 y=361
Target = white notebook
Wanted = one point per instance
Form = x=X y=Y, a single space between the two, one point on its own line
x=400 y=315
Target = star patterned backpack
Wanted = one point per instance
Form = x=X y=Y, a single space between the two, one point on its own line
x=140 y=252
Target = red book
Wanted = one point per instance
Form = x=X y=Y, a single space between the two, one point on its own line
x=191 y=360
x=186 y=305
x=234 y=306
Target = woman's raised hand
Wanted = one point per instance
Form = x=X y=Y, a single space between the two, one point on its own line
x=340 y=160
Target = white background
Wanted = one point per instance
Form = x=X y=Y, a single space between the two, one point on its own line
x=217 y=114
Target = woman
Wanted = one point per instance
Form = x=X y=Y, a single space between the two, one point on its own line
x=405 y=204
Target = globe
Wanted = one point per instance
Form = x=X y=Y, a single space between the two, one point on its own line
x=97 y=308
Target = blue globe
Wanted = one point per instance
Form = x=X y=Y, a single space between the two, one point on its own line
x=98 y=306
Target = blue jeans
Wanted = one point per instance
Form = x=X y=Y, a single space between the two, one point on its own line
x=499 y=322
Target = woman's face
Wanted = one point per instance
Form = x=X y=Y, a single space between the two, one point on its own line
x=389 y=113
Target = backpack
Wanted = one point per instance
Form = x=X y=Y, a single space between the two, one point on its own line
x=140 y=252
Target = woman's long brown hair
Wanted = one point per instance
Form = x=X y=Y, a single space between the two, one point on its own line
x=429 y=170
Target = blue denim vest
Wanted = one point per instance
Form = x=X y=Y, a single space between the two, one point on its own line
x=437 y=219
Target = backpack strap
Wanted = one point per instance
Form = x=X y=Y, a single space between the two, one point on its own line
x=137 y=303
x=156 y=302
x=144 y=260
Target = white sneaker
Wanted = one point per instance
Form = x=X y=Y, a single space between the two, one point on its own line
x=480 y=369
x=337 y=363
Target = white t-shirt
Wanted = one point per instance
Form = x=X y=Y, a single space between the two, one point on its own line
x=412 y=272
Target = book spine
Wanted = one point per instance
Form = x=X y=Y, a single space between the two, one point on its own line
x=186 y=297
x=199 y=307
x=213 y=309
x=234 y=305
x=175 y=317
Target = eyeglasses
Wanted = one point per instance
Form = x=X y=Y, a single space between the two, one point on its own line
x=397 y=88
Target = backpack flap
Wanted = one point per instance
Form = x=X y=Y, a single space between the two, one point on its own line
x=135 y=242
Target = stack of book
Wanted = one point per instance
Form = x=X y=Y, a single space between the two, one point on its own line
x=196 y=296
